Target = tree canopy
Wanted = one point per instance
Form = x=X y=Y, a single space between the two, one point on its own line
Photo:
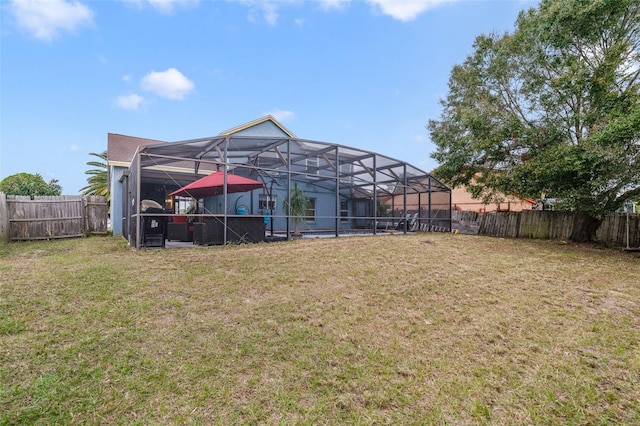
x=552 y=109
x=98 y=180
x=28 y=184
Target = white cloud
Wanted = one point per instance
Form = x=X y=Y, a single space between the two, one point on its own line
x=631 y=65
x=405 y=10
x=281 y=115
x=45 y=19
x=74 y=148
x=266 y=10
x=164 y=6
x=270 y=13
x=333 y=4
x=402 y=10
x=262 y=10
x=131 y=102
x=126 y=78
x=170 y=84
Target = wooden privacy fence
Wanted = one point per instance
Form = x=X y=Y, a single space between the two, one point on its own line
x=529 y=224
x=44 y=218
x=549 y=225
x=614 y=228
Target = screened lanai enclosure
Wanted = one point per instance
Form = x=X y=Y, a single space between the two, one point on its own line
x=344 y=190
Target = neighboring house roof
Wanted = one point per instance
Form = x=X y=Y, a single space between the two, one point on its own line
x=122 y=148
x=265 y=126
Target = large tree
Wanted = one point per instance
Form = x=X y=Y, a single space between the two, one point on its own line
x=98 y=180
x=29 y=184
x=552 y=109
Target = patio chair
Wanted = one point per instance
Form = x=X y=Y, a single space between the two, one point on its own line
x=179 y=229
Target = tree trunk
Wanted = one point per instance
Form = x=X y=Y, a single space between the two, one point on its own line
x=584 y=229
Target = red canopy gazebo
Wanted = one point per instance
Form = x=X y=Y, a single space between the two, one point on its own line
x=213 y=184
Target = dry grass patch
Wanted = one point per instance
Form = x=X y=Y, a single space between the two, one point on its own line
x=422 y=329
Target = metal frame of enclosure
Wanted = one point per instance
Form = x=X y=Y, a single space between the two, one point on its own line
x=352 y=189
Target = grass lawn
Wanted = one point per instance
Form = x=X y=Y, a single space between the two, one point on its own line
x=419 y=329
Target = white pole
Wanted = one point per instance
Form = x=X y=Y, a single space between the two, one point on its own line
x=628 y=248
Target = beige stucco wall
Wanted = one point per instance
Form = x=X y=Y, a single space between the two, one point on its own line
x=461 y=200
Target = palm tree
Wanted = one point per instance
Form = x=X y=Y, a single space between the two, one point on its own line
x=98 y=180
x=298 y=203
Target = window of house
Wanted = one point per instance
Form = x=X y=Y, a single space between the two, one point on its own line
x=311 y=210
x=344 y=210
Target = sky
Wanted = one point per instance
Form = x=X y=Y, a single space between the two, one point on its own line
x=363 y=73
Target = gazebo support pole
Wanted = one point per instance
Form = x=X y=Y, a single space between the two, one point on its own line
x=225 y=193
x=288 y=218
x=375 y=196
x=270 y=201
x=450 y=212
x=404 y=192
x=138 y=200
x=419 y=208
x=429 y=199
x=337 y=211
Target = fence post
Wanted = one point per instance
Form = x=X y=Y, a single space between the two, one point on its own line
x=4 y=219
x=85 y=216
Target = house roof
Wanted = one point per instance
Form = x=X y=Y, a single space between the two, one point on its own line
x=265 y=125
x=122 y=148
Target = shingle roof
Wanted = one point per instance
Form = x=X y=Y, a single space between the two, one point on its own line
x=122 y=148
